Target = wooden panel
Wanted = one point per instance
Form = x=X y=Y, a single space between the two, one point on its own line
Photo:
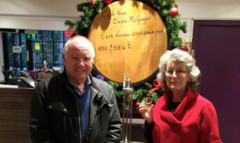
x=14 y=114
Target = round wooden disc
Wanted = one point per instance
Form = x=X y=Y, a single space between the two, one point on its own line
x=128 y=36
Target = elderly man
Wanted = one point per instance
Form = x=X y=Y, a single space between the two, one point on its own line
x=74 y=107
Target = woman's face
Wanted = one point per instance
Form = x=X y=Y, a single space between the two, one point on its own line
x=177 y=76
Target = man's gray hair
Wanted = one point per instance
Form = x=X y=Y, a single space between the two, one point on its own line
x=180 y=56
x=83 y=43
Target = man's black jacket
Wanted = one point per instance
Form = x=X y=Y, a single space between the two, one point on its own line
x=55 y=116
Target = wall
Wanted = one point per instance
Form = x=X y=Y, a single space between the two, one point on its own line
x=51 y=14
x=34 y=14
x=191 y=10
x=210 y=9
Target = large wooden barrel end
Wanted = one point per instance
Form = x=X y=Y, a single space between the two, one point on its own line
x=128 y=37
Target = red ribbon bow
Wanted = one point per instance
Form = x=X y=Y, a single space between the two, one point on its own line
x=157 y=85
x=69 y=33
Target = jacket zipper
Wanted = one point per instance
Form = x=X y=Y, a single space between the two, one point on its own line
x=92 y=117
x=79 y=115
x=79 y=122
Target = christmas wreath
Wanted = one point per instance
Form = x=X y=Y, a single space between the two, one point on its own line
x=167 y=9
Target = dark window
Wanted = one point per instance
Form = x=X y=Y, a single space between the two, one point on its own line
x=44 y=46
x=18 y=60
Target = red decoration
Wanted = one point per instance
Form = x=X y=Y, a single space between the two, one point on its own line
x=93 y=2
x=184 y=48
x=137 y=105
x=107 y=1
x=157 y=85
x=173 y=12
x=69 y=33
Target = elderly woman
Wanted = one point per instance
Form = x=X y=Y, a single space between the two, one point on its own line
x=181 y=115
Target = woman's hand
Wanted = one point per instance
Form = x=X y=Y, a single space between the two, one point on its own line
x=146 y=112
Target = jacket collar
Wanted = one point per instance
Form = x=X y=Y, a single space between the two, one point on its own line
x=97 y=96
x=175 y=116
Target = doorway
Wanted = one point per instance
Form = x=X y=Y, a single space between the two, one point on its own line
x=217 y=52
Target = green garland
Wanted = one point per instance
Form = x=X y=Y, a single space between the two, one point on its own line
x=140 y=93
x=173 y=25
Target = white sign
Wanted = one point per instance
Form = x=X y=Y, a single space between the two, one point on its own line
x=17 y=49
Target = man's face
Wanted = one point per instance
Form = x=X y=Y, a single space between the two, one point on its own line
x=78 y=63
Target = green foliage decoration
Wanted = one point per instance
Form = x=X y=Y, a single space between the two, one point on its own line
x=89 y=11
x=140 y=93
